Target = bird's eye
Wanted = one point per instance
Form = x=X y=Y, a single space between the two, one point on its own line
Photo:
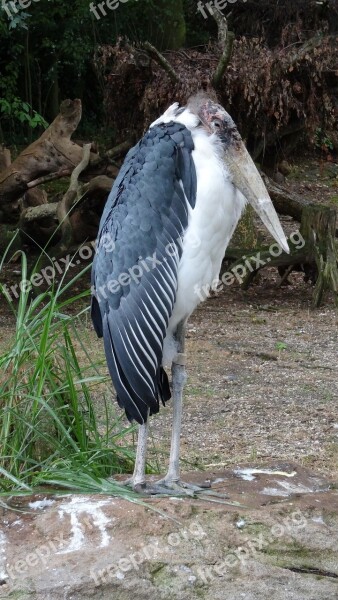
x=217 y=123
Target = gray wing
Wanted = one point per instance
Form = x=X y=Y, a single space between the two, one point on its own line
x=134 y=273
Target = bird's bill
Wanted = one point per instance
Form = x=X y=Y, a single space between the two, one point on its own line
x=247 y=179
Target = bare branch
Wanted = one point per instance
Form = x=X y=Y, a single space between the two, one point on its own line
x=159 y=58
x=225 y=39
x=50 y=177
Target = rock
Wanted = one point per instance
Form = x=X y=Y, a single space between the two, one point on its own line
x=281 y=543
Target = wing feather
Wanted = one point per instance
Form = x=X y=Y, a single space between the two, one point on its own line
x=134 y=277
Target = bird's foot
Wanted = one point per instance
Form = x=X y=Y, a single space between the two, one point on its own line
x=170 y=487
x=165 y=487
x=181 y=488
x=177 y=487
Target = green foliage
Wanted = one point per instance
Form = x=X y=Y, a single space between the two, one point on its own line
x=46 y=53
x=280 y=346
x=49 y=432
x=322 y=140
x=22 y=112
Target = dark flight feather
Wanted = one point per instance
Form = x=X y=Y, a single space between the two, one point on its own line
x=134 y=275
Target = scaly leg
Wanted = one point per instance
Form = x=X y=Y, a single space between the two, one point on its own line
x=172 y=480
x=179 y=378
x=138 y=479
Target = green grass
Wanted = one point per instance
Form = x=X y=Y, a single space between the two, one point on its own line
x=49 y=432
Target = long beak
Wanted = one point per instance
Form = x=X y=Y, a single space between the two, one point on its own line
x=247 y=179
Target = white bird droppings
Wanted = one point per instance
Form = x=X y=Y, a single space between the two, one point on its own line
x=39 y=504
x=249 y=474
x=82 y=506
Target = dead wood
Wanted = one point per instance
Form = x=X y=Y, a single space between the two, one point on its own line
x=226 y=40
x=69 y=199
x=5 y=157
x=159 y=58
x=98 y=187
x=100 y=162
x=318 y=228
x=52 y=152
x=37 y=225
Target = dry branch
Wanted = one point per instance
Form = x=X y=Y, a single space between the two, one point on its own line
x=99 y=186
x=226 y=39
x=47 y=178
x=64 y=207
x=159 y=58
x=115 y=152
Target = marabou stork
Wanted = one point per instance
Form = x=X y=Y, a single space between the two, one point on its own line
x=162 y=237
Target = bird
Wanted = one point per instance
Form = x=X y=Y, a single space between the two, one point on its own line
x=163 y=233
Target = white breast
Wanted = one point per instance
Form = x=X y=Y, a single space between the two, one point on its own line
x=211 y=224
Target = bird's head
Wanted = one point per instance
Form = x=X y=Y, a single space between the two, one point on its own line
x=243 y=172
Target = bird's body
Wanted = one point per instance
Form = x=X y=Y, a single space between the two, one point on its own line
x=162 y=237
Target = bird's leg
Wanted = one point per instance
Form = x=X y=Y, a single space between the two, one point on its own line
x=179 y=377
x=172 y=479
x=138 y=479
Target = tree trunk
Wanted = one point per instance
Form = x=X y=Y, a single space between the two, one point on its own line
x=318 y=228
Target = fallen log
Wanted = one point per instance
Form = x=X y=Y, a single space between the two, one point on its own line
x=53 y=152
